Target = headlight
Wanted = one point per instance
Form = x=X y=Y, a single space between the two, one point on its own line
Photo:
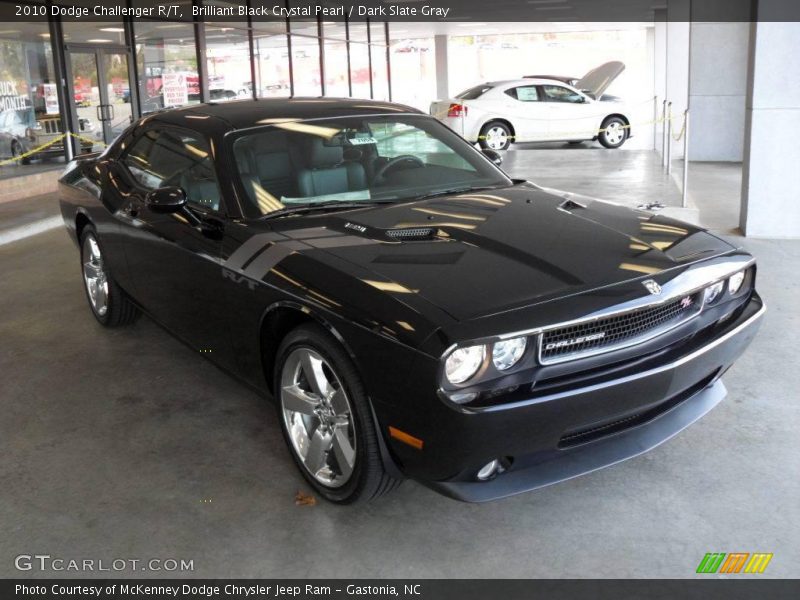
x=464 y=363
x=735 y=282
x=507 y=353
x=713 y=291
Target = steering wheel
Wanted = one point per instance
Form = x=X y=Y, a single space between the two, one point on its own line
x=393 y=162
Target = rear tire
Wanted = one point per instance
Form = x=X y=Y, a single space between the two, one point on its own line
x=495 y=136
x=326 y=418
x=110 y=305
x=615 y=132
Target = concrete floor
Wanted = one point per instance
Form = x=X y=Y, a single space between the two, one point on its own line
x=126 y=444
x=629 y=177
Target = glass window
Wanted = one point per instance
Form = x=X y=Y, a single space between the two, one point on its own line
x=380 y=74
x=228 y=62
x=305 y=65
x=413 y=60
x=336 y=81
x=474 y=92
x=556 y=93
x=29 y=108
x=162 y=158
x=271 y=56
x=524 y=93
x=166 y=64
x=356 y=159
x=359 y=69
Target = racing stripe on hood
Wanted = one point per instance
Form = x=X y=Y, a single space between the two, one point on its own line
x=260 y=253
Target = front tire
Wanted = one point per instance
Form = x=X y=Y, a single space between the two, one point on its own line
x=495 y=136
x=326 y=418
x=614 y=133
x=110 y=305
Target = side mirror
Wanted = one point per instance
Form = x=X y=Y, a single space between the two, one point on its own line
x=166 y=200
x=493 y=156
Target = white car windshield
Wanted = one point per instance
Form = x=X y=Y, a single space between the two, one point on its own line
x=365 y=159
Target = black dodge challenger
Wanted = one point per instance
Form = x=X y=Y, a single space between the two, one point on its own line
x=412 y=310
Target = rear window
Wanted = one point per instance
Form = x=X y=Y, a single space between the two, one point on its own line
x=474 y=92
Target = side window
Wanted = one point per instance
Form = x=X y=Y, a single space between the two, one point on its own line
x=524 y=93
x=556 y=93
x=167 y=157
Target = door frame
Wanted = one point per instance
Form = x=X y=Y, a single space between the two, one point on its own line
x=98 y=50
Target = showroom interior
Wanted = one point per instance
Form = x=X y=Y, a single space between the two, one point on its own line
x=133 y=444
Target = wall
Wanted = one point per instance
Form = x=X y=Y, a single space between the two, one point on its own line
x=718 y=86
x=770 y=175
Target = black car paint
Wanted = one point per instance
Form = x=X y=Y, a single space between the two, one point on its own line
x=511 y=260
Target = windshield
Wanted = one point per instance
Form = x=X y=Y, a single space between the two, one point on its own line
x=365 y=159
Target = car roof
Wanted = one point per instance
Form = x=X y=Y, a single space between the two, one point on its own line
x=239 y=114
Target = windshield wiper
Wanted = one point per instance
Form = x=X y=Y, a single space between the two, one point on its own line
x=321 y=206
x=455 y=190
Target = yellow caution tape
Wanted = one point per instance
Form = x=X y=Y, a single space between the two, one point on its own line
x=34 y=151
x=85 y=139
x=55 y=140
x=680 y=133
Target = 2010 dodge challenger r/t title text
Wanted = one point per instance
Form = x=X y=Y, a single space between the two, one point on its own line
x=412 y=310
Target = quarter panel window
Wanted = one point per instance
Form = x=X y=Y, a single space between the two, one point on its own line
x=524 y=93
x=162 y=158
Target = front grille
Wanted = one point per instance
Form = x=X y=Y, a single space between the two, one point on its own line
x=52 y=125
x=610 y=333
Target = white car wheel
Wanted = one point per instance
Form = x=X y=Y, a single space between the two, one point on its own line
x=495 y=136
x=614 y=133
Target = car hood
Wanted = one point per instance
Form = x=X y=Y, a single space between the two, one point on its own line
x=481 y=253
x=596 y=81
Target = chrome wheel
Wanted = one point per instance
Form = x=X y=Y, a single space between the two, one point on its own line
x=318 y=417
x=615 y=133
x=496 y=138
x=95 y=277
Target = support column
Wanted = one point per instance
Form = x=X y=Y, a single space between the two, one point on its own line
x=660 y=68
x=677 y=72
x=770 y=174
x=440 y=54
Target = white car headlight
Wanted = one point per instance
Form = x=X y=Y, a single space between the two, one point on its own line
x=713 y=291
x=507 y=353
x=464 y=363
x=735 y=282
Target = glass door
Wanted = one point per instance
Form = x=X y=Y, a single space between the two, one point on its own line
x=101 y=94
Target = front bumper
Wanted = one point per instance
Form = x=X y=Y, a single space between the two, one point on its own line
x=553 y=438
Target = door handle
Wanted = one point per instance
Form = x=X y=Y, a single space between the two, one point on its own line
x=100 y=112
x=110 y=113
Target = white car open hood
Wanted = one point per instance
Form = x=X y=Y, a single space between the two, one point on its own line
x=596 y=81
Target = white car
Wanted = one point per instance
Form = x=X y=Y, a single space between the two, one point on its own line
x=495 y=114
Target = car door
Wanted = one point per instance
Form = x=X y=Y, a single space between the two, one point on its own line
x=174 y=258
x=572 y=116
x=526 y=111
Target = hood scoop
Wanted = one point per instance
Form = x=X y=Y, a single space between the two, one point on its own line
x=570 y=204
x=411 y=234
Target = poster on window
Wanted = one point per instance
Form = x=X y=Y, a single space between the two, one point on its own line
x=175 y=89
x=50 y=93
